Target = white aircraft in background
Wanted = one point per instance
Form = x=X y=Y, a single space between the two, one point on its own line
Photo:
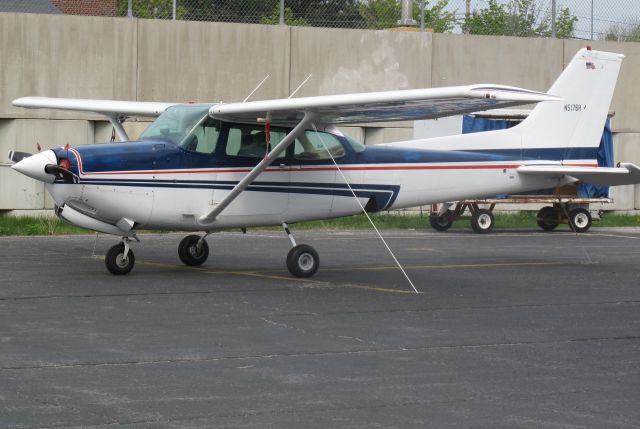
x=209 y=167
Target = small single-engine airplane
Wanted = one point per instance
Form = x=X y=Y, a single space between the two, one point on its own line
x=209 y=167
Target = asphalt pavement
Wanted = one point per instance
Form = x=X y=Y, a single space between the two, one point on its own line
x=515 y=329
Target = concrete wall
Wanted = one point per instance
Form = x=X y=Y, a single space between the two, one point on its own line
x=131 y=59
x=65 y=56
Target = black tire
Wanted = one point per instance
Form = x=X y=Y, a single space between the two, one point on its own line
x=547 y=218
x=303 y=261
x=441 y=223
x=580 y=220
x=482 y=221
x=188 y=251
x=116 y=263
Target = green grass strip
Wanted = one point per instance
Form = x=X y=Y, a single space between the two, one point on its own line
x=17 y=226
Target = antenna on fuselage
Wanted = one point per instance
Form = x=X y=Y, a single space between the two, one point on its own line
x=256 y=88
x=300 y=86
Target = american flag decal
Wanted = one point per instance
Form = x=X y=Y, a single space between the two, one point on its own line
x=590 y=65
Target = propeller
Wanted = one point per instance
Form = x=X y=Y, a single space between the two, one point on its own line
x=16 y=156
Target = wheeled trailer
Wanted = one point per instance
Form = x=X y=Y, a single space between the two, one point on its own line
x=570 y=210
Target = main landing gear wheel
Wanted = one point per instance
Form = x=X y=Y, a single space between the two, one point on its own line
x=547 y=218
x=117 y=263
x=303 y=261
x=482 y=221
x=579 y=220
x=191 y=253
x=441 y=223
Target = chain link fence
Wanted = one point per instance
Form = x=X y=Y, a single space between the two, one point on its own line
x=581 y=19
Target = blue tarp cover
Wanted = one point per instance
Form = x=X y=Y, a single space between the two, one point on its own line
x=471 y=124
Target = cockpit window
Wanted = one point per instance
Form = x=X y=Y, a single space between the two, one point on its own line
x=355 y=144
x=250 y=141
x=176 y=123
x=313 y=145
x=203 y=137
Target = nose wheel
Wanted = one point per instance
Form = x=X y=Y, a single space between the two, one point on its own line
x=302 y=260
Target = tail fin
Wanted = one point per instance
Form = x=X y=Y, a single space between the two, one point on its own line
x=587 y=86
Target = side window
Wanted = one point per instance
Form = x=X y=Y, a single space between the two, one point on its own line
x=250 y=141
x=311 y=146
x=203 y=138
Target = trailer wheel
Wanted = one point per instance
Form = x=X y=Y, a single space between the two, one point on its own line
x=547 y=218
x=441 y=223
x=580 y=220
x=482 y=221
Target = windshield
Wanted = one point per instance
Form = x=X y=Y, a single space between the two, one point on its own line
x=176 y=122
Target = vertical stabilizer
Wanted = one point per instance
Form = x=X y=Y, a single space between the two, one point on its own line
x=587 y=86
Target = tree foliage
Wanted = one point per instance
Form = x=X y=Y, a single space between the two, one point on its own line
x=289 y=18
x=524 y=18
x=154 y=9
x=623 y=33
x=327 y=13
x=321 y=13
x=386 y=13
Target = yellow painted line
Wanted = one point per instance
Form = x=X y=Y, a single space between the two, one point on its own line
x=379 y=289
x=616 y=236
x=272 y=277
x=228 y=272
x=450 y=266
x=266 y=276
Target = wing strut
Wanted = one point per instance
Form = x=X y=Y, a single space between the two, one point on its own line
x=117 y=126
x=210 y=217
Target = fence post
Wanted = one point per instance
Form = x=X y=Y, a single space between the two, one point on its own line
x=406 y=17
x=421 y=15
x=281 y=12
x=553 y=19
x=129 y=10
x=591 y=19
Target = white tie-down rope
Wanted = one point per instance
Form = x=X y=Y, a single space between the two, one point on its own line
x=363 y=209
x=577 y=234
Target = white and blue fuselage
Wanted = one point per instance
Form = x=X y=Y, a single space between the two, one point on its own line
x=159 y=184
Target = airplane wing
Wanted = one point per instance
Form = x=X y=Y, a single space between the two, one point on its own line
x=116 y=111
x=109 y=108
x=625 y=174
x=404 y=105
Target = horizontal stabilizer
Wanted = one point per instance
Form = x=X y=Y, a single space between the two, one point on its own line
x=625 y=174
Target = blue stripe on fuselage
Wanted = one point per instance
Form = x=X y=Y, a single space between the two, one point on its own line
x=385 y=195
x=389 y=155
x=159 y=156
